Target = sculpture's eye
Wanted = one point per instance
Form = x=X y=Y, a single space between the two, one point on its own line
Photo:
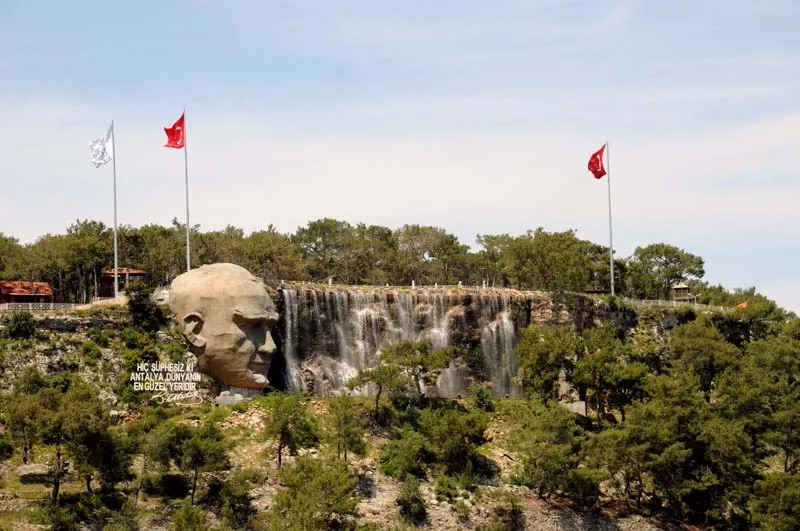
x=251 y=324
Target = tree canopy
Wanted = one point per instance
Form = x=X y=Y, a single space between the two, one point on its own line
x=328 y=248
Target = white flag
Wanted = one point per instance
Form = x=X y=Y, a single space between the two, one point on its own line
x=103 y=147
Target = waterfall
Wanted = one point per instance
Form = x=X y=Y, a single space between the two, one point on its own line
x=332 y=333
x=293 y=379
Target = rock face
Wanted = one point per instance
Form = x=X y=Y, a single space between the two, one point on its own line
x=327 y=334
x=324 y=335
x=225 y=314
x=34 y=473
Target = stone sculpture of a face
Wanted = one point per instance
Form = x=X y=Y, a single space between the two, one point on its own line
x=226 y=315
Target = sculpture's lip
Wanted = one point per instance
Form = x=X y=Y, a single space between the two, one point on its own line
x=259 y=377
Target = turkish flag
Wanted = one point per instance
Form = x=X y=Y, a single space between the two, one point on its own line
x=176 y=135
x=596 y=163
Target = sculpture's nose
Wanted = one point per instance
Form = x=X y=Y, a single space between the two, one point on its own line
x=269 y=345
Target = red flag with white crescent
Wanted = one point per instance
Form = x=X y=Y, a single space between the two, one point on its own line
x=596 y=163
x=176 y=137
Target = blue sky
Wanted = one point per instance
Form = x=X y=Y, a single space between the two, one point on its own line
x=475 y=116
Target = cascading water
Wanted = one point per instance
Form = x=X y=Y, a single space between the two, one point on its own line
x=293 y=376
x=333 y=333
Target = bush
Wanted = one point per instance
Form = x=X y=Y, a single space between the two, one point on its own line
x=21 y=325
x=6 y=448
x=100 y=337
x=475 y=360
x=235 y=497
x=91 y=353
x=446 y=488
x=175 y=351
x=131 y=338
x=146 y=315
x=412 y=505
x=166 y=485
x=462 y=511
x=124 y=520
x=188 y=517
x=404 y=456
x=583 y=485
x=316 y=493
x=483 y=399
x=59 y=518
x=506 y=517
x=454 y=437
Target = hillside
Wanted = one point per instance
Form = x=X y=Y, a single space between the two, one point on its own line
x=685 y=420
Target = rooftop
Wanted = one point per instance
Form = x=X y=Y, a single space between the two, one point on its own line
x=24 y=287
x=124 y=271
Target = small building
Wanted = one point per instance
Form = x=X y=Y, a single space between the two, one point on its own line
x=597 y=289
x=126 y=275
x=25 y=291
x=680 y=292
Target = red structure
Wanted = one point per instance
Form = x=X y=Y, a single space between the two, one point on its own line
x=25 y=291
x=126 y=275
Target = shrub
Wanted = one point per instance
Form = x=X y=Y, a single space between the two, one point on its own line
x=446 y=488
x=483 y=399
x=6 y=448
x=91 y=353
x=316 y=493
x=404 y=456
x=175 y=351
x=507 y=516
x=235 y=497
x=583 y=485
x=100 y=337
x=131 y=338
x=412 y=505
x=21 y=325
x=462 y=511
x=146 y=315
x=188 y=517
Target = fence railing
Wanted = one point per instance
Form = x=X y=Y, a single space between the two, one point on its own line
x=632 y=302
x=37 y=306
x=60 y=306
x=676 y=304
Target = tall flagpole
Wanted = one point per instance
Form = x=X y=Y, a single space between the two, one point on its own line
x=114 y=166
x=610 y=233
x=186 y=177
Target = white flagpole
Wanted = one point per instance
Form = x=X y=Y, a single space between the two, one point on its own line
x=114 y=166
x=186 y=178
x=610 y=233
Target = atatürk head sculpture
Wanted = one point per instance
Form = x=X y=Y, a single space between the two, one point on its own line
x=226 y=314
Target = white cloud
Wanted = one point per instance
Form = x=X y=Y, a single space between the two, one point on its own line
x=246 y=173
x=483 y=123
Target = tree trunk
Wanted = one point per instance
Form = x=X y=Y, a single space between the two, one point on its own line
x=280 y=452
x=89 y=483
x=56 y=476
x=194 y=484
x=378 y=400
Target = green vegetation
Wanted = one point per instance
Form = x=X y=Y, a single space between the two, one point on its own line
x=21 y=325
x=684 y=417
x=698 y=424
x=362 y=254
x=145 y=314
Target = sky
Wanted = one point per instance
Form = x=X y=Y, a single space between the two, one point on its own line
x=475 y=116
